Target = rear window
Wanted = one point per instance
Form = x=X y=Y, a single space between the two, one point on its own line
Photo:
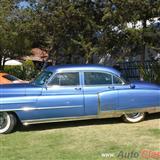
x=10 y=77
x=97 y=78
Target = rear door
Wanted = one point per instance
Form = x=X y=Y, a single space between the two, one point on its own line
x=99 y=92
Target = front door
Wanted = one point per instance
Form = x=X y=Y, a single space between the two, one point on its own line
x=62 y=97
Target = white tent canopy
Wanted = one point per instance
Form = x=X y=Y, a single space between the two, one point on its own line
x=13 y=63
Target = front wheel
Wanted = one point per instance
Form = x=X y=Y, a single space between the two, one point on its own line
x=7 y=122
x=133 y=117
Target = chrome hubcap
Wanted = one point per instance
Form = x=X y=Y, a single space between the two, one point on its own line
x=3 y=120
x=134 y=115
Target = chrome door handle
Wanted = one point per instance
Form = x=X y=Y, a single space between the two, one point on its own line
x=111 y=87
x=78 y=89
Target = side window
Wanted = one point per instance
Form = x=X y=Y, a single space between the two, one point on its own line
x=65 y=79
x=97 y=78
x=117 y=80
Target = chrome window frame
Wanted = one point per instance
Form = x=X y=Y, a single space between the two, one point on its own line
x=99 y=85
x=113 y=75
x=59 y=86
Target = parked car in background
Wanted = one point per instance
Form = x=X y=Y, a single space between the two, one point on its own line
x=6 y=78
x=76 y=92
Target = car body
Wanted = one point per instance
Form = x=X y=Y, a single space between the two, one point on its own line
x=6 y=78
x=76 y=92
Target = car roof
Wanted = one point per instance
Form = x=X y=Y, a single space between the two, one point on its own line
x=84 y=67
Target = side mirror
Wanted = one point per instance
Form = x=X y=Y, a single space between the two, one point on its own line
x=132 y=86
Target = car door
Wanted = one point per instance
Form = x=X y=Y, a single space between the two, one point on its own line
x=62 y=97
x=99 y=92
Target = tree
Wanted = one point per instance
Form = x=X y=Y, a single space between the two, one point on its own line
x=131 y=11
x=72 y=31
x=76 y=28
x=68 y=28
x=13 y=40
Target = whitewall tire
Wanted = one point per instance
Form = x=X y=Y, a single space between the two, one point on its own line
x=133 y=117
x=7 y=122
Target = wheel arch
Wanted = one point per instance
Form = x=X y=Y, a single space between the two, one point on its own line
x=16 y=116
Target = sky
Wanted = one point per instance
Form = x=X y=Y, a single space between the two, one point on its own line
x=24 y=4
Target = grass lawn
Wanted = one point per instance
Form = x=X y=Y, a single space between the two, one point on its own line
x=82 y=140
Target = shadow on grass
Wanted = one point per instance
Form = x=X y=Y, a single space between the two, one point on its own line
x=56 y=125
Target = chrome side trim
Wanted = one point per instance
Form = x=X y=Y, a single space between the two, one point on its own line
x=119 y=113
x=146 y=109
x=108 y=114
x=62 y=119
x=40 y=108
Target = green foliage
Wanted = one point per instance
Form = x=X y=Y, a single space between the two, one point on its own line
x=28 y=70
x=83 y=27
x=131 y=40
x=14 y=42
x=72 y=31
x=67 y=28
x=14 y=70
x=152 y=74
x=25 y=72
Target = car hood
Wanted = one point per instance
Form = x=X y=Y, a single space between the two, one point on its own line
x=146 y=85
x=19 y=89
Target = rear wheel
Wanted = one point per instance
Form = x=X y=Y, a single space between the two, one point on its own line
x=133 y=117
x=7 y=122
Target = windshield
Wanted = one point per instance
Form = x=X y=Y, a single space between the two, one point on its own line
x=42 y=78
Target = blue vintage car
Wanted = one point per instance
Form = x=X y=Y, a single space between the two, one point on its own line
x=76 y=92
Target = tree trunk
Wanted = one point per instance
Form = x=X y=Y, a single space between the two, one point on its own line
x=50 y=56
x=143 y=53
x=144 y=25
x=143 y=49
x=2 y=62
